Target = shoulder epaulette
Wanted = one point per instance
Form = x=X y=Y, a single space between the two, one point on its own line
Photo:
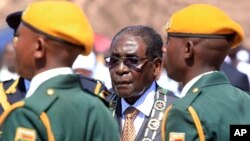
x=94 y=86
x=3 y=93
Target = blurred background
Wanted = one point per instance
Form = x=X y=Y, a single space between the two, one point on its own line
x=109 y=16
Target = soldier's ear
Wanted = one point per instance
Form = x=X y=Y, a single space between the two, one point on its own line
x=40 y=47
x=189 y=49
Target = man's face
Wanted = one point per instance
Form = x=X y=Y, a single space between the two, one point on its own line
x=172 y=57
x=130 y=80
x=24 y=44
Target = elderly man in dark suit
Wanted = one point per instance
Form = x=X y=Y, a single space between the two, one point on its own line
x=134 y=64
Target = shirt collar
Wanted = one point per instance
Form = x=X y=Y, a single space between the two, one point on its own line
x=191 y=83
x=42 y=77
x=145 y=103
x=228 y=60
x=27 y=84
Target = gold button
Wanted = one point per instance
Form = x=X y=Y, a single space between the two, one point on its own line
x=195 y=90
x=50 y=91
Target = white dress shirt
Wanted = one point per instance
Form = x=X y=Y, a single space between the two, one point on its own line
x=144 y=104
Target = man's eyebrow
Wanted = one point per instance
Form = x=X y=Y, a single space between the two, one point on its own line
x=131 y=55
x=114 y=54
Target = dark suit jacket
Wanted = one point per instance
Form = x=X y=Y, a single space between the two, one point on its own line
x=118 y=115
x=217 y=105
x=236 y=77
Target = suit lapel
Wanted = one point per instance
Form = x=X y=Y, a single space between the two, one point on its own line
x=118 y=114
x=141 y=132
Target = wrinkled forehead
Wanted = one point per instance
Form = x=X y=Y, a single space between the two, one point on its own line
x=128 y=44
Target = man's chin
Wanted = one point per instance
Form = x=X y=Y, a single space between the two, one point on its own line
x=124 y=94
x=128 y=95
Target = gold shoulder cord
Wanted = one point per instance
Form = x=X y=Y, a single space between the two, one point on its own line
x=197 y=123
x=12 y=88
x=97 y=88
x=46 y=123
x=3 y=98
x=3 y=94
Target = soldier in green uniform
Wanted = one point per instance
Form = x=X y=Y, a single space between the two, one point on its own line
x=198 y=39
x=49 y=36
x=14 y=90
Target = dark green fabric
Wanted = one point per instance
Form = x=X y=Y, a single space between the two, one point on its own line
x=74 y=115
x=218 y=105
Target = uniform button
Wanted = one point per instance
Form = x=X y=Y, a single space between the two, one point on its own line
x=50 y=91
x=195 y=90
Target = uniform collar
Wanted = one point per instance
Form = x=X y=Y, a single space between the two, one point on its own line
x=192 y=82
x=42 y=77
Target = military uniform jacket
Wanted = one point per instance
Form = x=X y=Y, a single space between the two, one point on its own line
x=59 y=110
x=150 y=123
x=12 y=91
x=206 y=112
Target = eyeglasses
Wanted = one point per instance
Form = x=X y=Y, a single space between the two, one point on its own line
x=131 y=62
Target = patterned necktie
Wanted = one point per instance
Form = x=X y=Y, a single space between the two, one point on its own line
x=128 y=132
